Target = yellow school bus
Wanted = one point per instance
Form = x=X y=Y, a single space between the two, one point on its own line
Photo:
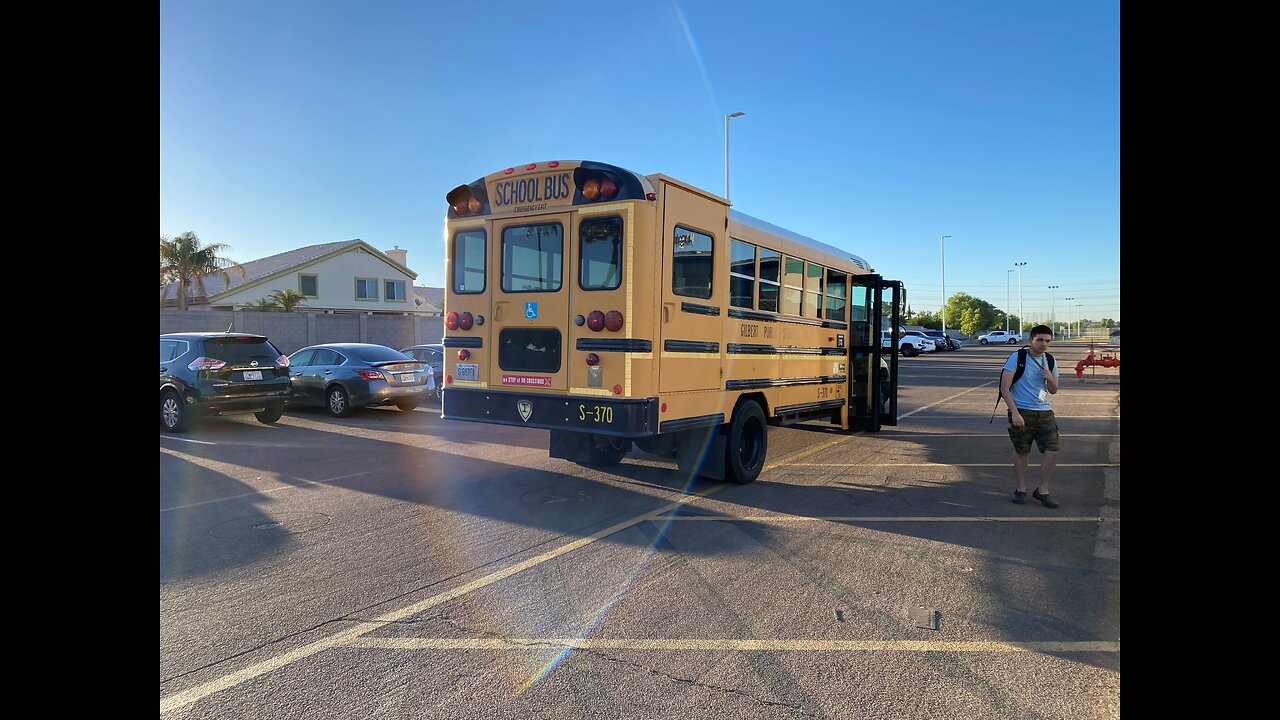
x=613 y=308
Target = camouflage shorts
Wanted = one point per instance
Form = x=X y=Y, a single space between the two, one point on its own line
x=1040 y=426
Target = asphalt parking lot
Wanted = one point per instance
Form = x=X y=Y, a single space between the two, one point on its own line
x=396 y=565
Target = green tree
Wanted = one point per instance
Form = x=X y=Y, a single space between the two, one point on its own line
x=288 y=299
x=971 y=321
x=263 y=305
x=988 y=315
x=186 y=262
x=927 y=319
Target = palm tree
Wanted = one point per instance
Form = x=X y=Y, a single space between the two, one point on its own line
x=184 y=261
x=263 y=305
x=288 y=299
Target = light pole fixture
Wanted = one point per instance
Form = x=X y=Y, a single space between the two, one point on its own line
x=1006 y=300
x=1079 y=318
x=943 y=313
x=1053 y=314
x=1068 y=316
x=726 y=150
x=1021 y=317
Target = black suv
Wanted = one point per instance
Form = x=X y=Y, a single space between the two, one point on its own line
x=216 y=373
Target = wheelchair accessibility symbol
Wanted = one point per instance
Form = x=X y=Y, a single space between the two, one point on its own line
x=531 y=311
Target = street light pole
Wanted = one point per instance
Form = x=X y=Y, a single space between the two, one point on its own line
x=1006 y=301
x=726 y=150
x=1079 y=318
x=943 y=313
x=1068 y=316
x=1053 y=314
x=1021 y=317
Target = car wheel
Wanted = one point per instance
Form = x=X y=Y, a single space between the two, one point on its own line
x=337 y=402
x=910 y=350
x=748 y=443
x=982 y=340
x=407 y=405
x=174 y=416
x=1013 y=341
x=269 y=416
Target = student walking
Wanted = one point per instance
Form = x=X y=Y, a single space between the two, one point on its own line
x=1030 y=415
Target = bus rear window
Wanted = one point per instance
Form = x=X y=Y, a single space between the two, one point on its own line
x=600 y=253
x=532 y=256
x=468 y=261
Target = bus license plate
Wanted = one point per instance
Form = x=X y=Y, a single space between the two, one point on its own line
x=252 y=374
x=467 y=371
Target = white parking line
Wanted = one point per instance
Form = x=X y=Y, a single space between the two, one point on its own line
x=198 y=442
x=698 y=644
x=966 y=392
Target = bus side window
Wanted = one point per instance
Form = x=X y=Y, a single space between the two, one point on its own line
x=770 y=269
x=692 y=261
x=742 y=274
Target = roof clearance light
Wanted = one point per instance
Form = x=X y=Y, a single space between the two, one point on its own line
x=465 y=320
x=530 y=166
x=591 y=189
x=613 y=321
x=651 y=196
x=451 y=321
x=595 y=321
x=508 y=171
x=554 y=163
x=608 y=188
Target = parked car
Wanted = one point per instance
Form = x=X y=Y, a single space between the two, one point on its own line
x=219 y=373
x=1000 y=336
x=908 y=345
x=343 y=376
x=944 y=341
x=917 y=333
x=432 y=355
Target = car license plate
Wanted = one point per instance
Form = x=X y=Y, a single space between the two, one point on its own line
x=252 y=374
x=405 y=377
x=467 y=371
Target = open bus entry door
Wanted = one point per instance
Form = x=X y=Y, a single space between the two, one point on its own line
x=875 y=307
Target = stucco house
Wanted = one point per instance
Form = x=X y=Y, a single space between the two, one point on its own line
x=346 y=276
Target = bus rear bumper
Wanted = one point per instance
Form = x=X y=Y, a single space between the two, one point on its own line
x=595 y=415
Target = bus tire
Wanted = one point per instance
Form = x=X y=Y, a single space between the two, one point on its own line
x=748 y=443
x=607 y=451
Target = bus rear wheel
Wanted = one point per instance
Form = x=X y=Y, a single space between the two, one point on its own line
x=748 y=443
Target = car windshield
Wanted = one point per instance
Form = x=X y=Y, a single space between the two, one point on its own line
x=234 y=350
x=377 y=353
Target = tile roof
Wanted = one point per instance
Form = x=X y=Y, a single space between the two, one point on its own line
x=267 y=266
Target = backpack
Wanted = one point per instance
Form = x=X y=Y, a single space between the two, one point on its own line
x=1018 y=373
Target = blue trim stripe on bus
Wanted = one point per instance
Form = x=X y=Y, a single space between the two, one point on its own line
x=692 y=423
x=755 y=349
x=700 y=309
x=782 y=382
x=695 y=346
x=615 y=345
x=462 y=342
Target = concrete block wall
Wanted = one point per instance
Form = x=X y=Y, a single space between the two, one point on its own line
x=291 y=331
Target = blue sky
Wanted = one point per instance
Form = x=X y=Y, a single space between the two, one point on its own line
x=872 y=126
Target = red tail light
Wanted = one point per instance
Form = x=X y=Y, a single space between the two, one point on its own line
x=608 y=188
x=205 y=363
x=451 y=321
x=283 y=361
x=593 y=359
x=613 y=320
x=465 y=320
x=595 y=321
x=460 y=207
x=369 y=374
x=463 y=355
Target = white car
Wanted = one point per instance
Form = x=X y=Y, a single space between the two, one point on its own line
x=909 y=345
x=917 y=333
x=1000 y=336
